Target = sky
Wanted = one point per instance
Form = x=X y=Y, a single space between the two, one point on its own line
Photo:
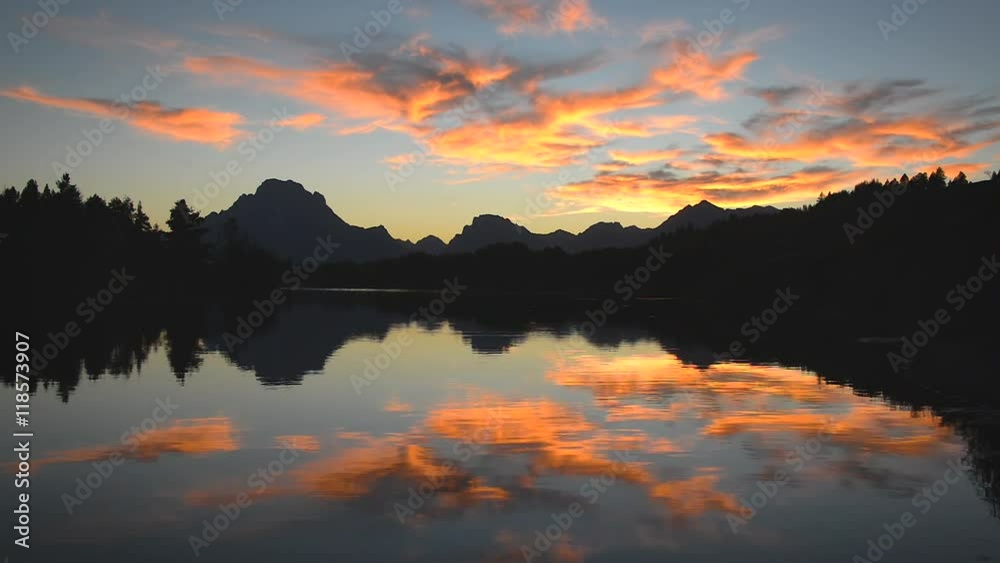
x=422 y=114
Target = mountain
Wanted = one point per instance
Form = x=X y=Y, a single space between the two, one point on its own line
x=491 y=229
x=487 y=230
x=431 y=245
x=286 y=219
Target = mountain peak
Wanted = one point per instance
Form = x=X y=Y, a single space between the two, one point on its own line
x=274 y=186
x=488 y=229
x=431 y=244
x=288 y=190
x=490 y=219
x=286 y=219
x=703 y=204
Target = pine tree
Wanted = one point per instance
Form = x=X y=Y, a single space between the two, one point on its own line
x=142 y=220
x=938 y=180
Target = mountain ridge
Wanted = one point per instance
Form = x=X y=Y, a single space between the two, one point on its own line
x=285 y=218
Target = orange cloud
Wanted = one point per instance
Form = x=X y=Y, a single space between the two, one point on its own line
x=361 y=93
x=888 y=142
x=558 y=132
x=694 y=496
x=197 y=125
x=461 y=107
x=786 y=158
x=193 y=436
x=539 y=16
x=746 y=395
x=866 y=426
x=645 y=157
x=303 y=122
x=699 y=73
x=298 y=442
x=664 y=193
x=342 y=88
x=380 y=468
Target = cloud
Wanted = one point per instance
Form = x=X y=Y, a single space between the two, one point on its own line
x=791 y=156
x=645 y=157
x=484 y=115
x=861 y=98
x=303 y=122
x=243 y=31
x=809 y=140
x=104 y=32
x=488 y=114
x=868 y=124
x=190 y=436
x=778 y=95
x=665 y=193
x=658 y=31
x=405 y=88
x=473 y=112
x=700 y=73
x=196 y=125
x=538 y=16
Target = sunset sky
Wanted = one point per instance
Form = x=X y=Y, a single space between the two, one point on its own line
x=595 y=109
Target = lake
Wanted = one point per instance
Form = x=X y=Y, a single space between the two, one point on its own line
x=342 y=430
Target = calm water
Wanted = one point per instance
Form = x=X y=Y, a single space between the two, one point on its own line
x=641 y=456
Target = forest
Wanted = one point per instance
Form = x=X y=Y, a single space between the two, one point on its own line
x=872 y=259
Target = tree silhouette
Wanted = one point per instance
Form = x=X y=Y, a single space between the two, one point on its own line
x=189 y=254
x=142 y=220
x=960 y=181
x=67 y=192
x=938 y=180
x=183 y=220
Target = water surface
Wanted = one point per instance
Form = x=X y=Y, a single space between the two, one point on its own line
x=464 y=440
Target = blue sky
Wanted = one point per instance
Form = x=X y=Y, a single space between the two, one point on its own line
x=578 y=111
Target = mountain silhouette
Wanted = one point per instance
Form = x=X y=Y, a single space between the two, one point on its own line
x=284 y=218
x=431 y=245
